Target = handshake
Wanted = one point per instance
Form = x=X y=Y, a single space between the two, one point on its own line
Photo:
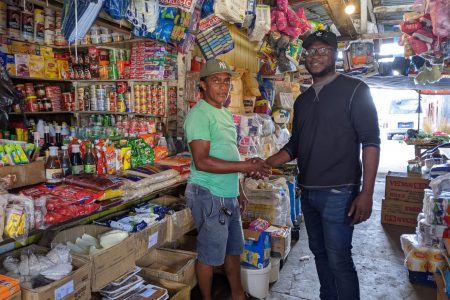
x=257 y=168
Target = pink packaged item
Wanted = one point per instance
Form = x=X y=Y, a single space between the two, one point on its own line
x=282 y=5
x=292 y=18
x=259 y=225
x=409 y=27
x=281 y=20
x=418 y=46
x=440 y=17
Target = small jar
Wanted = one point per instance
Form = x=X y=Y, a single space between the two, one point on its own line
x=414 y=167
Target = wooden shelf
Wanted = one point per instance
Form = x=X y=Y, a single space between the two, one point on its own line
x=118 y=113
x=113 y=45
x=39 y=79
x=42 y=113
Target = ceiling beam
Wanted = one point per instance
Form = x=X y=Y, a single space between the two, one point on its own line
x=389 y=22
x=341 y=20
x=392 y=9
x=363 y=15
x=372 y=36
x=373 y=19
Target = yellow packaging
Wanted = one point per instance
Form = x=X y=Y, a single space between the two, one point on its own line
x=126 y=155
x=14 y=221
x=22 y=48
x=111 y=193
x=11 y=64
x=47 y=52
x=51 y=68
x=37 y=66
x=63 y=69
x=21 y=154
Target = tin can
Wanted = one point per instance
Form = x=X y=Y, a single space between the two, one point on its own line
x=113 y=72
x=13 y=22
x=29 y=89
x=39 y=26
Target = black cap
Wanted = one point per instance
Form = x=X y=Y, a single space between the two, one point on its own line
x=327 y=37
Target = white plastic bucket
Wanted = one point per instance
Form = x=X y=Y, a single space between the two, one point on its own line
x=256 y=281
x=275 y=270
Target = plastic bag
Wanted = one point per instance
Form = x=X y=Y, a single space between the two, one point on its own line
x=117 y=9
x=95 y=182
x=440 y=17
x=251 y=87
x=19 y=217
x=262 y=23
x=141 y=192
x=144 y=15
x=214 y=38
x=231 y=11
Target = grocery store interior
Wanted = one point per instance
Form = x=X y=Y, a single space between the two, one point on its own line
x=94 y=160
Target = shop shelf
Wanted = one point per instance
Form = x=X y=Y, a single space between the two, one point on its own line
x=42 y=113
x=122 y=44
x=40 y=79
x=94 y=112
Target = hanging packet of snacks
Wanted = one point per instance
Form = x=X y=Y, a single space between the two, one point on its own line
x=143 y=14
x=250 y=13
x=231 y=11
x=117 y=9
x=214 y=38
x=19 y=217
x=262 y=23
x=165 y=25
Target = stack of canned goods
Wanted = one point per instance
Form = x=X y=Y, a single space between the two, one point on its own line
x=102 y=97
x=149 y=98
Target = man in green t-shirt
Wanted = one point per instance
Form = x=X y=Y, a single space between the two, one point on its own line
x=214 y=193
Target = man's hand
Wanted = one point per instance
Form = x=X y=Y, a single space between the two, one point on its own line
x=257 y=168
x=361 y=208
x=243 y=201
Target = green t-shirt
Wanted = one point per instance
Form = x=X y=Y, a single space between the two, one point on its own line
x=206 y=122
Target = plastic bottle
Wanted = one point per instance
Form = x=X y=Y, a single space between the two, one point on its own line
x=179 y=144
x=89 y=161
x=76 y=161
x=47 y=143
x=65 y=161
x=53 y=170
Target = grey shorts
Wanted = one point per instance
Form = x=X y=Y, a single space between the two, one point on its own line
x=215 y=240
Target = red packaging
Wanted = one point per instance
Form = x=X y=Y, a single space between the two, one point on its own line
x=94 y=182
x=76 y=194
x=36 y=191
x=51 y=218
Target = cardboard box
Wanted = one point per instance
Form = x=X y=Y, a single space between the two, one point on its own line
x=177 y=290
x=28 y=174
x=9 y=287
x=281 y=245
x=393 y=218
x=150 y=238
x=179 y=223
x=257 y=248
x=440 y=287
x=74 y=286
x=402 y=207
x=401 y=187
x=170 y=264
x=186 y=243
x=16 y=296
x=108 y=264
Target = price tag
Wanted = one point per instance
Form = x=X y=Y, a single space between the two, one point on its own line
x=152 y=240
x=64 y=290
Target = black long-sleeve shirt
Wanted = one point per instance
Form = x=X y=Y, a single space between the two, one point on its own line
x=328 y=131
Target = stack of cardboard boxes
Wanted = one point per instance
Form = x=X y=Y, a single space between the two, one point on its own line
x=403 y=199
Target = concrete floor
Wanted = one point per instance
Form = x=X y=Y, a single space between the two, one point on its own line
x=377 y=255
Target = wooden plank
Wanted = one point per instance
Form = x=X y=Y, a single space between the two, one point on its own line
x=392 y=9
x=340 y=19
x=363 y=16
x=372 y=36
x=373 y=19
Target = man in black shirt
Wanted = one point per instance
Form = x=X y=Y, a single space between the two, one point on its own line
x=333 y=120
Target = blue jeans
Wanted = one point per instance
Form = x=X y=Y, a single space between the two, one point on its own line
x=330 y=240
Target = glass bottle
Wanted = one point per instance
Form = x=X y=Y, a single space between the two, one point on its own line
x=58 y=136
x=53 y=170
x=89 y=161
x=76 y=161
x=65 y=161
x=47 y=143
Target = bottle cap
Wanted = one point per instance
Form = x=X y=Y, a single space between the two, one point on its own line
x=53 y=151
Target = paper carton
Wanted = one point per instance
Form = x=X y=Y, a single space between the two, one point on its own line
x=107 y=265
x=401 y=187
x=178 y=223
x=170 y=264
x=74 y=286
x=149 y=238
x=28 y=174
x=256 y=249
